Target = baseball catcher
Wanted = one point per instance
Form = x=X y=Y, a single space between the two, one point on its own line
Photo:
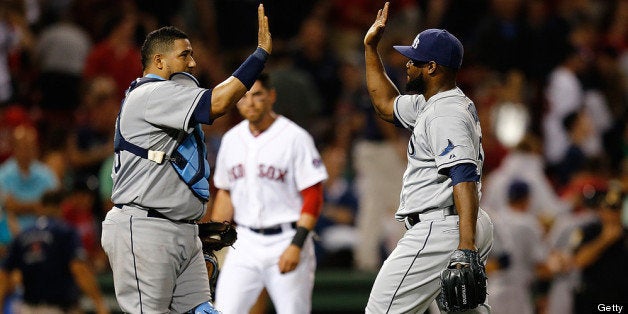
x=215 y=236
x=463 y=282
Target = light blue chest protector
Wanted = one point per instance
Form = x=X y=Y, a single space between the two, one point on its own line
x=189 y=158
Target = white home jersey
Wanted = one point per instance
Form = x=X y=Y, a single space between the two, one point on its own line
x=266 y=173
x=445 y=132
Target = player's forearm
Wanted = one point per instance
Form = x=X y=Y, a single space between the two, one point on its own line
x=305 y=225
x=381 y=89
x=225 y=96
x=467 y=204
x=307 y=221
x=222 y=209
x=589 y=253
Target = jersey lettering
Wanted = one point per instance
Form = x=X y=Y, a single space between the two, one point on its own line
x=236 y=172
x=272 y=173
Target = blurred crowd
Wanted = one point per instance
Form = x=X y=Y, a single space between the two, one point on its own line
x=549 y=79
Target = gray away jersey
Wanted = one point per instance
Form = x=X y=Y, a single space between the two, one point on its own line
x=445 y=132
x=156 y=116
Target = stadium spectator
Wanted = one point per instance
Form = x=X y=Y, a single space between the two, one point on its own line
x=60 y=54
x=117 y=54
x=544 y=201
x=90 y=142
x=23 y=178
x=52 y=263
x=561 y=241
x=602 y=255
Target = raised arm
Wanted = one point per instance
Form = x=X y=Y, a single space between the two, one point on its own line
x=380 y=87
x=226 y=94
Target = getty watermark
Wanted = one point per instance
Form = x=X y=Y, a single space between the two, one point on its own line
x=612 y=308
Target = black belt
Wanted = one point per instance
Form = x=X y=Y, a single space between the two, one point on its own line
x=271 y=230
x=155 y=214
x=414 y=218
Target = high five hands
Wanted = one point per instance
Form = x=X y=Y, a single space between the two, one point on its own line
x=374 y=34
x=264 y=40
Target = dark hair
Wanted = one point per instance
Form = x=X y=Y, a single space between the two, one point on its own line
x=518 y=190
x=160 y=41
x=264 y=78
x=569 y=121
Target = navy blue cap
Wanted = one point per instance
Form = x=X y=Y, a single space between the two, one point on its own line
x=436 y=45
x=518 y=190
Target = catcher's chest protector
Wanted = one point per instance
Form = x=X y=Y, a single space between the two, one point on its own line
x=189 y=158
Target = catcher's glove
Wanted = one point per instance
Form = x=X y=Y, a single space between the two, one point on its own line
x=463 y=282
x=216 y=235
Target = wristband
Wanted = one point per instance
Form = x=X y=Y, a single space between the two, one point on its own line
x=250 y=69
x=300 y=236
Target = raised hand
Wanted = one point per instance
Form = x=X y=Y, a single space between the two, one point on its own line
x=374 y=34
x=264 y=40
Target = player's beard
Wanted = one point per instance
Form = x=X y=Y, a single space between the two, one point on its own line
x=416 y=85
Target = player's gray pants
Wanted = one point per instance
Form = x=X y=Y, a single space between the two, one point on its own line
x=157 y=264
x=409 y=280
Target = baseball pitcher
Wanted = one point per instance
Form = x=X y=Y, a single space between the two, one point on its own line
x=443 y=251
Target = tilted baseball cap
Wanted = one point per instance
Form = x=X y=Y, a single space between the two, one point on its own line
x=436 y=45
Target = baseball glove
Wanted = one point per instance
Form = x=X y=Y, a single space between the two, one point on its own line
x=216 y=235
x=463 y=282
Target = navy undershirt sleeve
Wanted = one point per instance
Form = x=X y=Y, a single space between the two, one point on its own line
x=466 y=172
x=202 y=111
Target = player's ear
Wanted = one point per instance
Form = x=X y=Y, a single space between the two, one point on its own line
x=272 y=95
x=431 y=67
x=159 y=61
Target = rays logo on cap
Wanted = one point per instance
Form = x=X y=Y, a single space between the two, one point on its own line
x=415 y=43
